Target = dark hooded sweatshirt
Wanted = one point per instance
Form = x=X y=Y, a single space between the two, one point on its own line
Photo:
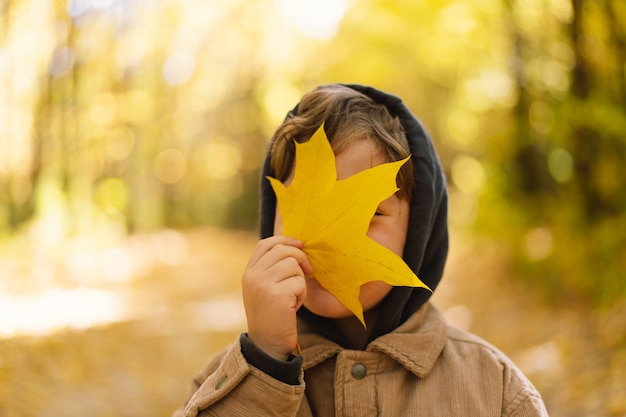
x=412 y=364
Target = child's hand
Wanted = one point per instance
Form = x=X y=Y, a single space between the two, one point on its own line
x=274 y=288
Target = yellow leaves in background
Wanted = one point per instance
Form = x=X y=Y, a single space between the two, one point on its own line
x=332 y=217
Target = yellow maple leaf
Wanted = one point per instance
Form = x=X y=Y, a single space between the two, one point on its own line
x=331 y=217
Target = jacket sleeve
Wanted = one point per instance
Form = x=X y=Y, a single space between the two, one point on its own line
x=521 y=398
x=229 y=386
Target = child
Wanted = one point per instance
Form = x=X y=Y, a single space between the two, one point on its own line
x=305 y=354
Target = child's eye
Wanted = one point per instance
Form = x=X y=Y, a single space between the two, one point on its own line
x=378 y=213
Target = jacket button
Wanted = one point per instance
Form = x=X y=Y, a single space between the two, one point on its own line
x=358 y=371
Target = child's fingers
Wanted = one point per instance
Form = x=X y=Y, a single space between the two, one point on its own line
x=296 y=286
x=266 y=245
x=285 y=268
x=280 y=252
x=274 y=288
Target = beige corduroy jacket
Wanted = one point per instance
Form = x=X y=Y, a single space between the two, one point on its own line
x=423 y=368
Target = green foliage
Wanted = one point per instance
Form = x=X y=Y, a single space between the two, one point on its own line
x=157 y=114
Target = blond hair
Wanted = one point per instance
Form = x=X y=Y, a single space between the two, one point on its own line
x=348 y=115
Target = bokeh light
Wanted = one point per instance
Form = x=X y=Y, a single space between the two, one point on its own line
x=468 y=174
x=178 y=68
x=561 y=165
x=170 y=166
x=318 y=19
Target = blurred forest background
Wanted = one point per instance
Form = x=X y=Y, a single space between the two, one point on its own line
x=131 y=136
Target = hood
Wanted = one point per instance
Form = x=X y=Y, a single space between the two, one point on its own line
x=426 y=246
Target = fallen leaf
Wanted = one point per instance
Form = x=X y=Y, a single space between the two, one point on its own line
x=331 y=217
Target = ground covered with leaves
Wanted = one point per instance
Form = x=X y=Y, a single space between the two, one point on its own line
x=179 y=313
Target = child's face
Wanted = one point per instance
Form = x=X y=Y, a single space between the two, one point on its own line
x=388 y=227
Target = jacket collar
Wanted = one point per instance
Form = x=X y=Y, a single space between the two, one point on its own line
x=415 y=345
